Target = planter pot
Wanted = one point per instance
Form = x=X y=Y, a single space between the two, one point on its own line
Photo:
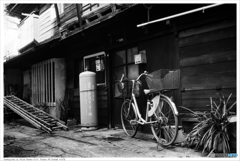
x=188 y=124
x=232 y=130
x=180 y=137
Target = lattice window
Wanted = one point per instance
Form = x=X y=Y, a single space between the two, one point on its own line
x=43 y=82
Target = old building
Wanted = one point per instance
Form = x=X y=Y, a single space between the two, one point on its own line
x=58 y=41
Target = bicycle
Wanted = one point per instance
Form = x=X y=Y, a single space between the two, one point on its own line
x=161 y=113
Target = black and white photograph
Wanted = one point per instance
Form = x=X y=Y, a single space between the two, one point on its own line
x=119 y=80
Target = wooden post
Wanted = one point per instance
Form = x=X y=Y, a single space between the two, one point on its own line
x=43 y=95
x=37 y=74
x=33 y=83
x=36 y=83
x=51 y=66
x=175 y=64
x=41 y=75
x=49 y=85
x=44 y=80
x=79 y=14
x=39 y=84
x=57 y=14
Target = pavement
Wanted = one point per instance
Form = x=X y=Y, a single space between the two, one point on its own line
x=25 y=141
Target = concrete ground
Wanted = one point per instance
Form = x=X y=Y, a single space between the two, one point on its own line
x=25 y=141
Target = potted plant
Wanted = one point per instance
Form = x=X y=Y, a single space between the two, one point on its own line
x=211 y=133
x=42 y=106
x=64 y=105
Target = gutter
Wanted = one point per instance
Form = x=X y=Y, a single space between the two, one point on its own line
x=180 y=14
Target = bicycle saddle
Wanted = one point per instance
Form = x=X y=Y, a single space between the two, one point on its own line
x=148 y=91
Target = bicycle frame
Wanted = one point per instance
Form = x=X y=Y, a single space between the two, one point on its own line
x=136 y=109
x=135 y=105
x=161 y=123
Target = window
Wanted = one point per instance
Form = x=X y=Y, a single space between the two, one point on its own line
x=96 y=63
x=43 y=82
x=123 y=63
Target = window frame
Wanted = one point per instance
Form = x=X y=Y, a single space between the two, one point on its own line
x=126 y=66
x=102 y=53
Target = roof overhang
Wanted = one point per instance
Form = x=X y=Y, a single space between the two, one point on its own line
x=16 y=10
x=31 y=54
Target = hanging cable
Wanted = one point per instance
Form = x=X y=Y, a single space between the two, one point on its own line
x=148 y=8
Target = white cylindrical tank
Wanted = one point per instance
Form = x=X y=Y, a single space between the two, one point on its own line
x=88 y=99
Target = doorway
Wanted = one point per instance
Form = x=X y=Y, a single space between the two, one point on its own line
x=123 y=63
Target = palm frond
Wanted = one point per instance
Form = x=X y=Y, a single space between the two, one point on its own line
x=211 y=133
x=226 y=148
x=231 y=106
x=210 y=152
x=195 y=114
x=228 y=98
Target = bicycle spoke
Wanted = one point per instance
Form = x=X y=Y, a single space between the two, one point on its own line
x=127 y=115
x=163 y=131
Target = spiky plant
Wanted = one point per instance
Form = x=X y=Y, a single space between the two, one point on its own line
x=64 y=104
x=211 y=133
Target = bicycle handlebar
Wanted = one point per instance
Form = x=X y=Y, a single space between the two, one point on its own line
x=144 y=73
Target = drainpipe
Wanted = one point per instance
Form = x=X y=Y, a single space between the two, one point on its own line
x=57 y=14
x=79 y=14
x=180 y=14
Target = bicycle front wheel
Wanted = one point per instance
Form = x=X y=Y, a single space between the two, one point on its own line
x=166 y=128
x=128 y=117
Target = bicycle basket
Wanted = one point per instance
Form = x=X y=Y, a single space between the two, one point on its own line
x=164 y=79
x=125 y=88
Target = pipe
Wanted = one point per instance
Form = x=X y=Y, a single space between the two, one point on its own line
x=180 y=14
x=79 y=14
x=57 y=15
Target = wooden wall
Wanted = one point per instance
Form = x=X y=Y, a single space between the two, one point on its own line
x=28 y=31
x=47 y=24
x=13 y=79
x=208 y=62
x=205 y=53
x=48 y=27
x=102 y=106
x=161 y=54
x=70 y=11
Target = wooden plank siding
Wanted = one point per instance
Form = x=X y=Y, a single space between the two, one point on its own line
x=47 y=25
x=208 y=63
x=70 y=11
x=200 y=99
x=102 y=106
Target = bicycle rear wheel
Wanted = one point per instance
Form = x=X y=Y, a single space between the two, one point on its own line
x=166 y=129
x=127 y=118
